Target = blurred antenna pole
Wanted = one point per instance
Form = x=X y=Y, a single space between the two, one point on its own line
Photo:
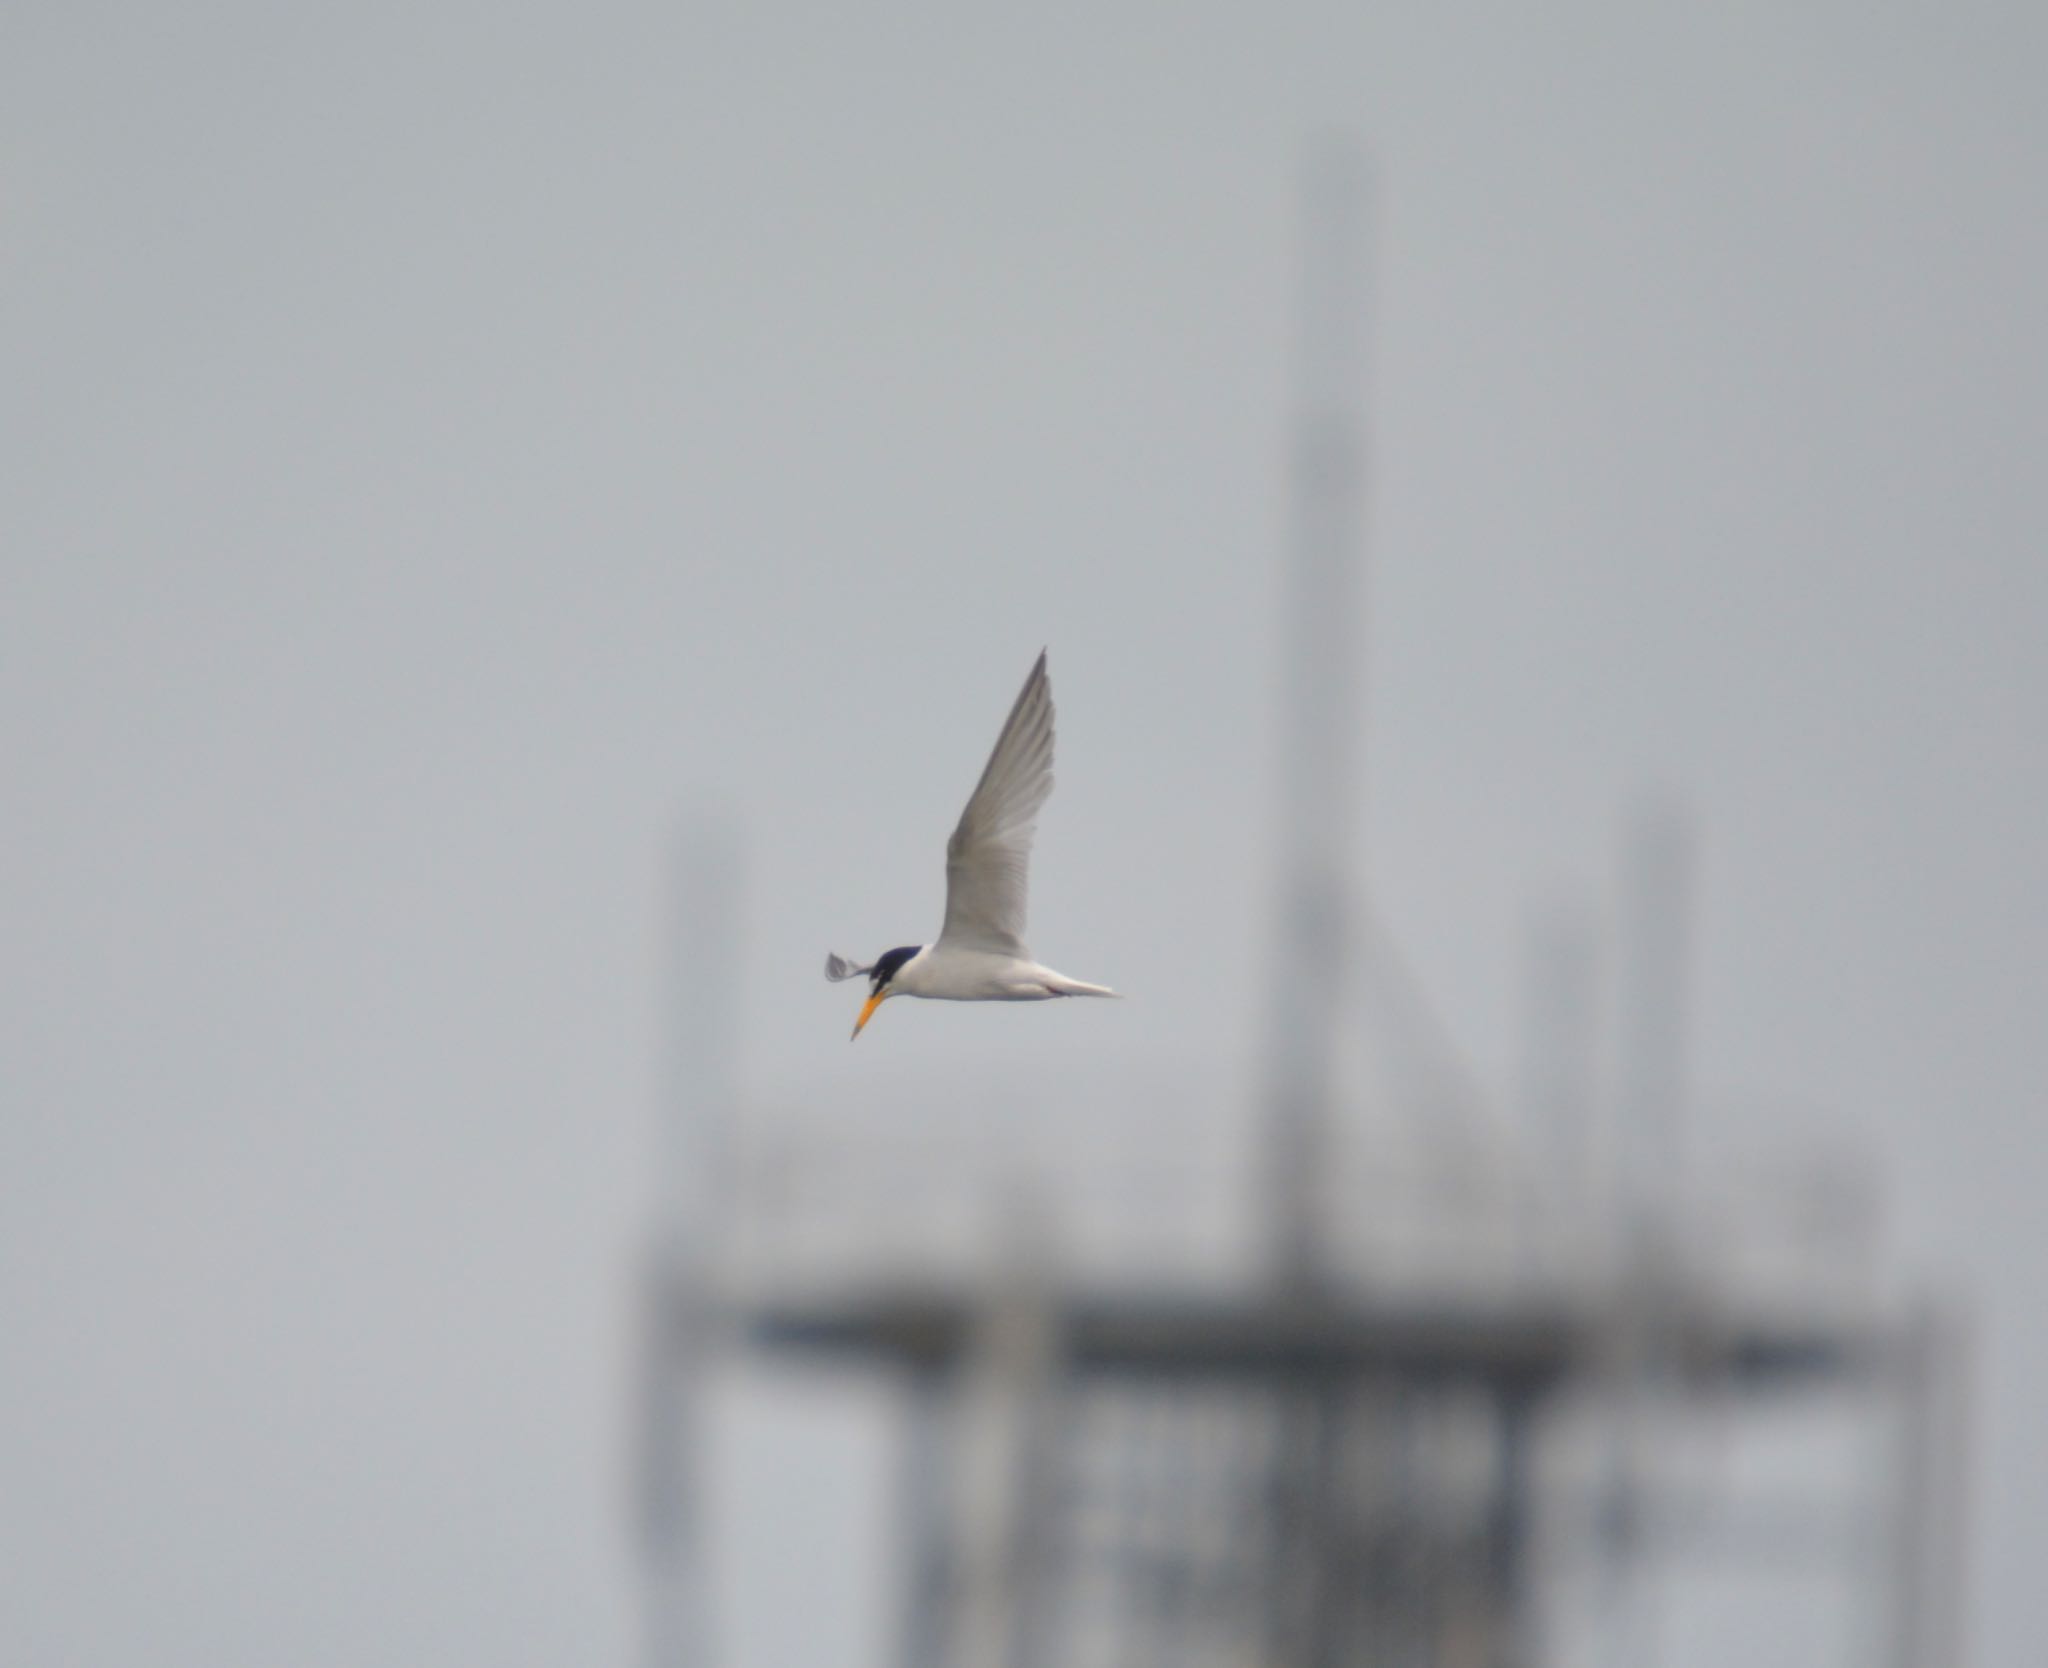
x=702 y=1080
x=1008 y=1465
x=1648 y=1210
x=1657 y=906
x=701 y=950
x=1563 y=1233
x=1929 y=1529
x=1317 y=928
x=1560 y=1064
x=1319 y=702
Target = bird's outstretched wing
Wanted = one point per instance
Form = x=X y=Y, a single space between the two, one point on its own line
x=988 y=859
x=838 y=967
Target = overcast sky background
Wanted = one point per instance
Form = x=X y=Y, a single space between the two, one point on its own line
x=446 y=446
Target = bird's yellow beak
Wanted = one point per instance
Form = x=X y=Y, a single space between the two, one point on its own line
x=867 y=1012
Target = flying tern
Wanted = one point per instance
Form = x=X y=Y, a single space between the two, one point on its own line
x=979 y=955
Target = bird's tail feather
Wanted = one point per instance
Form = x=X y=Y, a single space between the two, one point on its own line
x=1076 y=987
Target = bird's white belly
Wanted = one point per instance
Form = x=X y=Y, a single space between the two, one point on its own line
x=974 y=976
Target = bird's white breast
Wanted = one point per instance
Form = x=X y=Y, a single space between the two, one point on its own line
x=945 y=974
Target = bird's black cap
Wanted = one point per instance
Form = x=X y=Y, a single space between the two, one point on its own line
x=887 y=968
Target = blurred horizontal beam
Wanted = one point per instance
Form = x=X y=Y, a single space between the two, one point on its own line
x=1524 y=1346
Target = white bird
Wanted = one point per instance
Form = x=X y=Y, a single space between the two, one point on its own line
x=980 y=954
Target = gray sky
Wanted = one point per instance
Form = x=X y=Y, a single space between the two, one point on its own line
x=446 y=444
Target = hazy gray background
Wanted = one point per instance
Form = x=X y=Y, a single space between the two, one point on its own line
x=443 y=445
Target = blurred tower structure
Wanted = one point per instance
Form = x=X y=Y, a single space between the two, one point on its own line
x=1346 y=1448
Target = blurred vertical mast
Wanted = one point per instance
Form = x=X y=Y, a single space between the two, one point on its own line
x=1648 y=1239
x=1560 y=1066
x=704 y=959
x=1318 y=746
x=701 y=951
x=1657 y=905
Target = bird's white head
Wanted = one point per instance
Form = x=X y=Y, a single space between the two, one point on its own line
x=881 y=982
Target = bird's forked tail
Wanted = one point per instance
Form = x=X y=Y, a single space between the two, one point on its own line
x=1060 y=985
